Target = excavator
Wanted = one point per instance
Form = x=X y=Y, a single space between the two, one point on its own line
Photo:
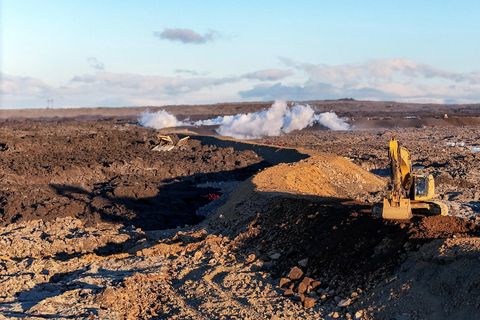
x=408 y=190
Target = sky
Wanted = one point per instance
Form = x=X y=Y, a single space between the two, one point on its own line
x=90 y=53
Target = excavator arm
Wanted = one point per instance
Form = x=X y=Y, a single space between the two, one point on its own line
x=397 y=204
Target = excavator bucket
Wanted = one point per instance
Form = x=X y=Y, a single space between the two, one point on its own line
x=394 y=210
x=167 y=143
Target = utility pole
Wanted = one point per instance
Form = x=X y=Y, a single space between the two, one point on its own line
x=49 y=103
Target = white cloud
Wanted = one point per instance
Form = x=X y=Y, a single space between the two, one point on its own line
x=190 y=72
x=15 y=85
x=185 y=35
x=269 y=74
x=111 y=89
x=332 y=121
x=140 y=84
x=390 y=79
x=375 y=71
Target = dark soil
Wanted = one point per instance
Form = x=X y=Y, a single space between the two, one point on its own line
x=106 y=171
x=346 y=248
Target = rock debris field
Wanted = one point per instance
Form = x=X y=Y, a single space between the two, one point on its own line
x=94 y=224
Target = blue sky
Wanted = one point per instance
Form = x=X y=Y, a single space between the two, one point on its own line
x=115 y=53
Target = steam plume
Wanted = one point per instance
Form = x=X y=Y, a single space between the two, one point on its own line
x=331 y=121
x=278 y=119
x=159 y=120
x=274 y=121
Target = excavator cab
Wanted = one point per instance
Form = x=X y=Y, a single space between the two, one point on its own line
x=424 y=187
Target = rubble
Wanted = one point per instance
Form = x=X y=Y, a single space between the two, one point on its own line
x=283 y=282
x=344 y=303
x=309 y=302
x=295 y=273
x=303 y=263
x=296 y=240
x=112 y=176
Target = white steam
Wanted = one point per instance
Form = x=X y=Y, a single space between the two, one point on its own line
x=159 y=120
x=278 y=119
x=331 y=121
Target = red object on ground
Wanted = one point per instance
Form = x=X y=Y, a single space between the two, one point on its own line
x=212 y=196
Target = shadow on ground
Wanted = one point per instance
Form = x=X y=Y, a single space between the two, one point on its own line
x=177 y=200
x=338 y=240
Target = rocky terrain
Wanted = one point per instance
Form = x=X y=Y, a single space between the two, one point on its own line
x=104 y=171
x=452 y=155
x=97 y=225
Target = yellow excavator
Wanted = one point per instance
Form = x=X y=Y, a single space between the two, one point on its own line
x=408 y=190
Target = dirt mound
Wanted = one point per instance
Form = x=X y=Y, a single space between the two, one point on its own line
x=443 y=227
x=322 y=175
x=108 y=172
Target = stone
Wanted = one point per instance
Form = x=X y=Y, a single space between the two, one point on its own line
x=302 y=297
x=288 y=293
x=295 y=273
x=307 y=280
x=297 y=298
x=359 y=314
x=344 y=303
x=309 y=302
x=275 y=256
x=315 y=284
x=303 y=262
x=335 y=315
x=283 y=282
x=251 y=257
x=302 y=287
x=198 y=255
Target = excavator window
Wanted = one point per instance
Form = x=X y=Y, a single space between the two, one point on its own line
x=421 y=185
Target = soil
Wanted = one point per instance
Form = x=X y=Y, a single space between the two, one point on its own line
x=108 y=172
x=94 y=224
x=345 y=246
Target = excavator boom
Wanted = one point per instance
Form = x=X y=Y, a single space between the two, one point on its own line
x=397 y=205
